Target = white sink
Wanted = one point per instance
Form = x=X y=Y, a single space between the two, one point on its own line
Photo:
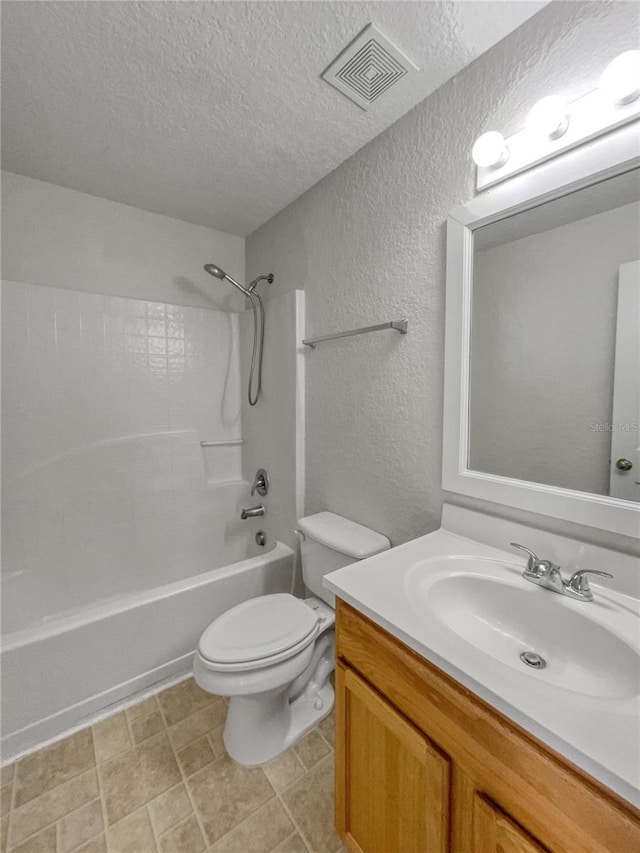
x=492 y=608
x=463 y=604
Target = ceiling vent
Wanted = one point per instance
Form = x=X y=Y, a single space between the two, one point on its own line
x=368 y=67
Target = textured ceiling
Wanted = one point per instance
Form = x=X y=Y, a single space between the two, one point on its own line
x=212 y=112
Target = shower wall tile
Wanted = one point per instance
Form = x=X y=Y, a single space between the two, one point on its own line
x=105 y=402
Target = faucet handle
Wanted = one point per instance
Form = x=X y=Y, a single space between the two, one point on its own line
x=578 y=583
x=261 y=483
x=533 y=561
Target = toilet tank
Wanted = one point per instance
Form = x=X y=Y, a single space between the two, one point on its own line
x=331 y=542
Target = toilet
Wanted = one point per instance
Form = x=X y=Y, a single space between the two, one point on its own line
x=273 y=655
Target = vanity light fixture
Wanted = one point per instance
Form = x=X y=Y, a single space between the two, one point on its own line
x=548 y=118
x=620 y=81
x=554 y=127
x=490 y=150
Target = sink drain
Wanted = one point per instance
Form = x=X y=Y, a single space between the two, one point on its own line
x=533 y=660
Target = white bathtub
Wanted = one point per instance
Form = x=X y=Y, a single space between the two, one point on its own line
x=68 y=670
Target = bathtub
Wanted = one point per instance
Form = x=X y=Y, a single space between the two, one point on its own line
x=69 y=670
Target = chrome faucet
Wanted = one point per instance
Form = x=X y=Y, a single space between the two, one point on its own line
x=546 y=574
x=254 y=512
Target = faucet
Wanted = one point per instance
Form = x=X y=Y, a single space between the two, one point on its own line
x=546 y=574
x=254 y=512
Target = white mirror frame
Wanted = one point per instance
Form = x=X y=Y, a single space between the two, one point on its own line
x=606 y=157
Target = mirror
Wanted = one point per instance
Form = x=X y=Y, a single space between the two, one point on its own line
x=554 y=373
x=542 y=339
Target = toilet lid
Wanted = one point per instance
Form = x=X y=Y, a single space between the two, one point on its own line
x=259 y=628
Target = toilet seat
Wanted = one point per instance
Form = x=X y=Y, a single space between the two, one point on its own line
x=258 y=633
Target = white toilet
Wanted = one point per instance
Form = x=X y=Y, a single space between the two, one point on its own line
x=273 y=655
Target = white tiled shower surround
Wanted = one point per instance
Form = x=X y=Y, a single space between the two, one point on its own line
x=105 y=487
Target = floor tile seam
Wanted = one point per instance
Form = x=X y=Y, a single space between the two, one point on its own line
x=58 y=819
x=130 y=732
x=189 y=743
x=294 y=834
x=103 y=806
x=190 y=714
x=128 y=709
x=153 y=834
x=11 y=806
x=248 y=817
x=132 y=747
x=138 y=719
x=86 y=840
x=332 y=748
x=15 y=807
x=291 y=817
x=11 y=847
x=184 y=778
x=160 y=835
x=142 y=808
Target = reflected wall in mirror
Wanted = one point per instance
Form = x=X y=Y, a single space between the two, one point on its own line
x=554 y=382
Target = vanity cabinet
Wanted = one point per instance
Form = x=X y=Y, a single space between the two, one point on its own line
x=398 y=783
x=425 y=766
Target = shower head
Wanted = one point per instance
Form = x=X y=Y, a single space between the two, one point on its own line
x=212 y=269
x=216 y=272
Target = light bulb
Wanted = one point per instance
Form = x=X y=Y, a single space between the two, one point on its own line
x=620 y=81
x=549 y=117
x=490 y=149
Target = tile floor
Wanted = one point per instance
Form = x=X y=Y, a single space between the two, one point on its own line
x=156 y=779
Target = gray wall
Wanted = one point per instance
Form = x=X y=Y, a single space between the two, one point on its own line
x=62 y=238
x=542 y=351
x=367 y=244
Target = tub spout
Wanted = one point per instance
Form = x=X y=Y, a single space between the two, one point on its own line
x=254 y=512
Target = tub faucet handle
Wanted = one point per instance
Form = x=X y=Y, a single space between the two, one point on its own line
x=261 y=483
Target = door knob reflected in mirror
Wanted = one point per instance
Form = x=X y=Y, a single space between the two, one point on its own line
x=624 y=464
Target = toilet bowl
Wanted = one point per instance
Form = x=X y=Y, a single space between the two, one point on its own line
x=273 y=655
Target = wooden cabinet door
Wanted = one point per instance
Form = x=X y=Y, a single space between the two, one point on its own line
x=495 y=832
x=392 y=784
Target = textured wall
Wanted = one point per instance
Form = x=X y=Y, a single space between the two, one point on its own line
x=62 y=238
x=542 y=351
x=367 y=244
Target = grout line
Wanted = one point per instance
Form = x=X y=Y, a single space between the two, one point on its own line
x=172 y=828
x=11 y=804
x=325 y=740
x=55 y=822
x=103 y=804
x=184 y=777
x=33 y=834
x=252 y=815
x=128 y=725
x=153 y=834
x=291 y=817
x=66 y=814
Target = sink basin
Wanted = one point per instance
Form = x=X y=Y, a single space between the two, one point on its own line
x=463 y=605
x=492 y=608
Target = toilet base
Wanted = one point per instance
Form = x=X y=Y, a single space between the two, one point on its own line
x=257 y=730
